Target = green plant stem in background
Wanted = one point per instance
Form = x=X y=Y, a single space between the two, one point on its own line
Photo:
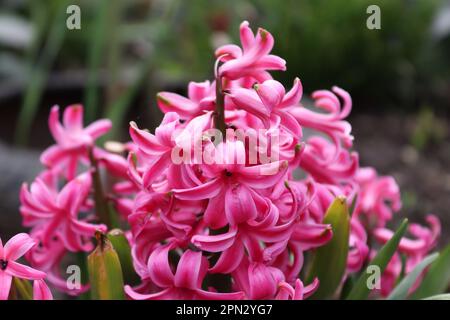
x=39 y=75
x=116 y=112
x=220 y=108
x=101 y=203
x=95 y=57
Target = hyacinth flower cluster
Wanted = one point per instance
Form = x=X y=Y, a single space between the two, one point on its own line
x=227 y=199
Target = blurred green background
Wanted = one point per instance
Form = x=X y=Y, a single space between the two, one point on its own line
x=127 y=50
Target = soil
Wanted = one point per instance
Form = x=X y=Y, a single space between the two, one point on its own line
x=384 y=142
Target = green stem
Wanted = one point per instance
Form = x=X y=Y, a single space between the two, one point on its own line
x=220 y=108
x=101 y=203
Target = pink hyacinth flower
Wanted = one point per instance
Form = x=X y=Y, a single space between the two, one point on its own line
x=72 y=139
x=57 y=212
x=330 y=123
x=186 y=283
x=15 y=248
x=41 y=291
x=269 y=102
x=201 y=97
x=253 y=59
x=232 y=183
x=379 y=197
x=298 y=292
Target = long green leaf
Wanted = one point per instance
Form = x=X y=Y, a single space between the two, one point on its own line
x=437 y=279
x=330 y=260
x=117 y=110
x=361 y=290
x=445 y=296
x=39 y=75
x=95 y=58
x=105 y=271
x=400 y=292
x=122 y=247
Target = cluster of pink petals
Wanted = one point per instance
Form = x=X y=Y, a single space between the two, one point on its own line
x=59 y=205
x=13 y=250
x=240 y=219
x=254 y=228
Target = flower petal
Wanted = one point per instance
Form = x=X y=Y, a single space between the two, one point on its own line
x=17 y=246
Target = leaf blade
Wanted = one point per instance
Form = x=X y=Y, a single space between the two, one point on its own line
x=437 y=278
x=400 y=292
x=361 y=291
x=329 y=261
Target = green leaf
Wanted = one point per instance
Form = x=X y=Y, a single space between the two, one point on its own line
x=330 y=260
x=123 y=249
x=437 y=279
x=39 y=72
x=96 y=56
x=24 y=288
x=361 y=290
x=445 y=296
x=400 y=292
x=105 y=271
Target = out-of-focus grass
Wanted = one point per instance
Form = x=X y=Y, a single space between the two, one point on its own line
x=96 y=55
x=324 y=42
x=39 y=72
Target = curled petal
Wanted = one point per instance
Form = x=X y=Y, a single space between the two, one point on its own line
x=191 y=270
x=17 y=246
x=41 y=291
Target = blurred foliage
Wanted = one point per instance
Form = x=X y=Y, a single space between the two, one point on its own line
x=428 y=129
x=128 y=47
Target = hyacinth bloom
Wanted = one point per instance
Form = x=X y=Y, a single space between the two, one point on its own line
x=268 y=101
x=72 y=140
x=253 y=60
x=201 y=97
x=15 y=248
x=232 y=183
x=57 y=212
x=379 y=196
x=185 y=283
x=238 y=208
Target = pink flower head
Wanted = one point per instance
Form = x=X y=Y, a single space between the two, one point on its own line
x=72 y=140
x=331 y=123
x=414 y=250
x=269 y=102
x=298 y=292
x=315 y=161
x=41 y=291
x=232 y=183
x=201 y=98
x=186 y=283
x=57 y=212
x=378 y=198
x=253 y=59
x=155 y=150
x=15 y=248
